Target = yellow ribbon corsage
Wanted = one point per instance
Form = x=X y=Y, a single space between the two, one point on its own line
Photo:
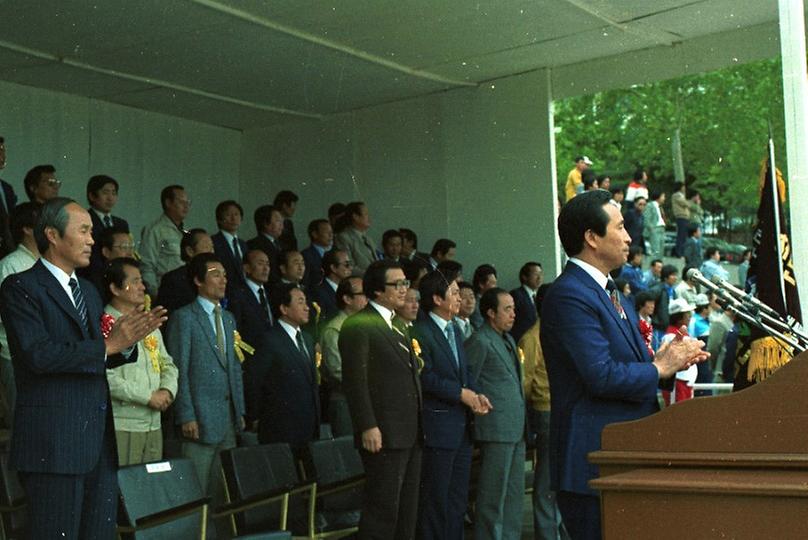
x=521 y=354
x=318 y=360
x=153 y=346
x=240 y=346
x=416 y=348
x=146 y=302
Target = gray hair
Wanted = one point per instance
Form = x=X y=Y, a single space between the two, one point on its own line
x=53 y=214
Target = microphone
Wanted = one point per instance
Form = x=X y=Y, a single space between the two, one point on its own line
x=695 y=275
x=743 y=295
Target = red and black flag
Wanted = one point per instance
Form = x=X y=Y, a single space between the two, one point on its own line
x=771 y=273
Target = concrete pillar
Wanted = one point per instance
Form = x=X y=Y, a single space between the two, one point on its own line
x=795 y=101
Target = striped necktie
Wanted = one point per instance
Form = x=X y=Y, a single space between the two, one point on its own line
x=78 y=299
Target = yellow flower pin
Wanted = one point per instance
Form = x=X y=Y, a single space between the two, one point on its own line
x=240 y=346
x=147 y=302
x=153 y=346
x=416 y=347
x=521 y=354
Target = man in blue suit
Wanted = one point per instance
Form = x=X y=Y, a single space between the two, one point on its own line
x=210 y=397
x=598 y=366
x=337 y=266
x=63 y=441
x=449 y=400
x=524 y=299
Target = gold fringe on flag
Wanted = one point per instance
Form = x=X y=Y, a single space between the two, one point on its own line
x=766 y=355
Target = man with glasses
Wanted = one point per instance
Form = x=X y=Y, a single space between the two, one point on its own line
x=337 y=266
x=113 y=243
x=102 y=194
x=350 y=300
x=380 y=380
x=41 y=184
x=160 y=241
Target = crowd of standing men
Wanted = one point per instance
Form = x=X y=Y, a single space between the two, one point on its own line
x=390 y=345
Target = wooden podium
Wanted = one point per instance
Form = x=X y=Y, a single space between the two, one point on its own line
x=733 y=466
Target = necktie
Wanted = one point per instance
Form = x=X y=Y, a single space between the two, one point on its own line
x=262 y=299
x=611 y=288
x=301 y=345
x=236 y=250
x=107 y=221
x=78 y=299
x=217 y=312
x=450 y=335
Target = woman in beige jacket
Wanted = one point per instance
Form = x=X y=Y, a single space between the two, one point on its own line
x=141 y=390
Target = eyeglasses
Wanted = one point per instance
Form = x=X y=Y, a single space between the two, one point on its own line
x=53 y=182
x=123 y=246
x=400 y=284
x=346 y=264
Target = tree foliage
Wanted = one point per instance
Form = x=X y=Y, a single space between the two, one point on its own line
x=723 y=118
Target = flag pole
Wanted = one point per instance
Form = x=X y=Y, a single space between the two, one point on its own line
x=776 y=206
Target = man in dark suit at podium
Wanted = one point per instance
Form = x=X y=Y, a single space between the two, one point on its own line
x=63 y=441
x=599 y=369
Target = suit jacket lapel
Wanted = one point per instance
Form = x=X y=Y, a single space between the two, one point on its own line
x=502 y=351
x=204 y=321
x=397 y=339
x=606 y=301
x=297 y=353
x=441 y=338
x=59 y=296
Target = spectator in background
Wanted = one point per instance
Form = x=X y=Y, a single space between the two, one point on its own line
x=605 y=182
x=23 y=220
x=139 y=391
x=350 y=299
x=354 y=237
x=102 y=194
x=720 y=328
x=41 y=184
x=391 y=244
x=692 y=248
x=268 y=227
x=644 y=303
x=286 y=203
x=160 y=241
x=468 y=304
x=696 y=211
x=250 y=303
x=451 y=267
x=712 y=264
x=176 y=288
x=524 y=298
x=336 y=213
x=321 y=236
x=632 y=271
x=292 y=267
x=589 y=180
x=485 y=277
x=575 y=184
x=228 y=246
x=8 y=201
x=114 y=242
x=637 y=188
x=337 y=267
x=664 y=293
x=547 y=523
x=443 y=250
x=687 y=288
x=408 y=313
x=679 y=313
x=618 y=195
x=653 y=275
x=654 y=225
x=634 y=223
x=681 y=212
x=743 y=268
x=409 y=244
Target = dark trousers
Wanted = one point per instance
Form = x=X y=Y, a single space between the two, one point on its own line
x=74 y=506
x=682 y=227
x=547 y=523
x=581 y=515
x=390 y=502
x=444 y=492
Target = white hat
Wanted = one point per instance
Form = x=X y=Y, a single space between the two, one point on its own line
x=702 y=299
x=586 y=160
x=680 y=305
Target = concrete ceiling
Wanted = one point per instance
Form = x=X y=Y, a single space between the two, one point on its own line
x=251 y=63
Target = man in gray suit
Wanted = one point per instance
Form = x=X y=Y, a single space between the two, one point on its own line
x=354 y=237
x=495 y=365
x=210 y=397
